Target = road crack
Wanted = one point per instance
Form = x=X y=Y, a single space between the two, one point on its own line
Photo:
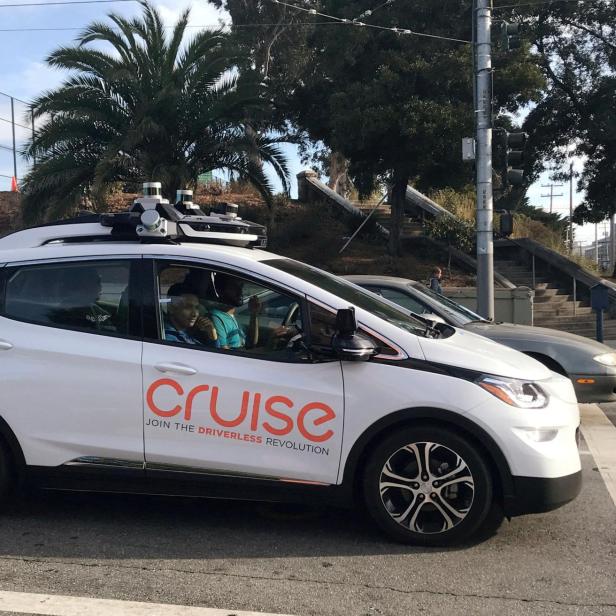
x=266 y=578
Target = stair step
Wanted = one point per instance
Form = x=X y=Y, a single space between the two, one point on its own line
x=515 y=274
x=574 y=329
x=546 y=286
x=557 y=323
x=524 y=282
x=512 y=266
x=554 y=299
x=557 y=311
x=586 y=317
x=544 y=291
x=505 y=262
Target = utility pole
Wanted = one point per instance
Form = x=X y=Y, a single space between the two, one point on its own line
x=571 y=207
x=551 y=195
x=482 y=49
x=612 y=246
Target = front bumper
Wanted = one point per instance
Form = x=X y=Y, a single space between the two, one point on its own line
x=539 y=494
x=601 y=389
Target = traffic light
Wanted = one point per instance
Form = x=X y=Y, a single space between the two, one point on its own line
x=510 y=36
x=509 y=156
x=514 y=158
x=505 y=223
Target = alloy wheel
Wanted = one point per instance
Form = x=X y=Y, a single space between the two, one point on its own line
x=426 y=487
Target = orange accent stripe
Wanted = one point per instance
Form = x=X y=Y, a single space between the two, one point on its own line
x=498 y=392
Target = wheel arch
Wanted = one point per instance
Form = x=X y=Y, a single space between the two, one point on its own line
x=9 y=440
x=548 y=362
x=425 y=415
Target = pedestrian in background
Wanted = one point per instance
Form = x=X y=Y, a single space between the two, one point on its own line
x=435 y=280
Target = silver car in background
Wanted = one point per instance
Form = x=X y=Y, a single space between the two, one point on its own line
x=590 y=365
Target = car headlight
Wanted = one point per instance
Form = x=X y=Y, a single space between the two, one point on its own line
x=607 y=359
x=522 y=394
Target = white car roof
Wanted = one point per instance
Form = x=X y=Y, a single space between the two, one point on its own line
x=72 y=250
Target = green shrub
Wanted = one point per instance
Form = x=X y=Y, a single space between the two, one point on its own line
x=454 y=232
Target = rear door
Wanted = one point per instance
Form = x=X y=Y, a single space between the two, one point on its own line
x=70 y=359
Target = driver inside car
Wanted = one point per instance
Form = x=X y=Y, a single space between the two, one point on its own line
x=230 y=334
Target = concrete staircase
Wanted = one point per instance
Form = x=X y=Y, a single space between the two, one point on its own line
x=554 y=306
x=410 y=228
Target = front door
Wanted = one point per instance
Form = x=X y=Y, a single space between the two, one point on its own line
x=228 y=387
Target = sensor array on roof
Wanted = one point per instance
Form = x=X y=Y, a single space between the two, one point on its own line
x=151 y=218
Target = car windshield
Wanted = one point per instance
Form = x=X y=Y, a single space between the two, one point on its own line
x=459 y=311
x=351 y=293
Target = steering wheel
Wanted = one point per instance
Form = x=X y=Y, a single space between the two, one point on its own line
x=287 y=340
x=291 y=315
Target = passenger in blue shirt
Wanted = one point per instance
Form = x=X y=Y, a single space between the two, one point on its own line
x=230 y=334
x=182 y=319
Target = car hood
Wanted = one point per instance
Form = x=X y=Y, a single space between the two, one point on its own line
x=465 y=349
x=510 y=331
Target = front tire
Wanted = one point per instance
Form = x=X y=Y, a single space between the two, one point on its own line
x=6 y=474
x=427 y=486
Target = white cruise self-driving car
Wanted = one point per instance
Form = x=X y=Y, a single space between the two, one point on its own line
x=160 y=351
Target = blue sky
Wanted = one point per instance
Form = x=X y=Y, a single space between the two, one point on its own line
x=24 y=74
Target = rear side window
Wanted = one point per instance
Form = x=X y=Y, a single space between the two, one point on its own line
x=86 y=296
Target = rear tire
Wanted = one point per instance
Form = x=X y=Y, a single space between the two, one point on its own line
x=426 y=485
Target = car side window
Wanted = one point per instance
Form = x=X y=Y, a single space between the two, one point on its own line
x=89 y=296
x=217 y=311
x=400 y=298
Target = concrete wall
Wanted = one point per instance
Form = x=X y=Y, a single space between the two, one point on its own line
x=510 y=305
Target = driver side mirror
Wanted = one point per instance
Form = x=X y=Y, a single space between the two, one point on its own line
x=347 y=343
x=346 y=323
x=435 y=318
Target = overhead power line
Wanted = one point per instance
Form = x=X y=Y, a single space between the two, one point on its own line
x=16 y=123
x=363 y=24
x=14 y=98
x=60 y=2
x=332 y=20
x=201 y=26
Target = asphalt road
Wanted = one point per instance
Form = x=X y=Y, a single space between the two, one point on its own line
x=245 y=556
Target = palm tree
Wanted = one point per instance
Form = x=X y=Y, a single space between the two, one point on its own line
x=153 y=107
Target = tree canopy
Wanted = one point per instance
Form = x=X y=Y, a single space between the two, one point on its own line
x=141 y=105
x=575 y=45
x=395 y=105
